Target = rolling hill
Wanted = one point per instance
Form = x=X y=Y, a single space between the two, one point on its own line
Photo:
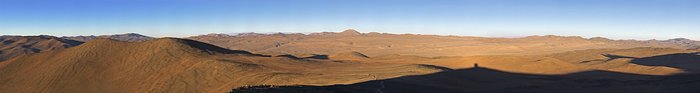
x=347 y=62
x=178 y=65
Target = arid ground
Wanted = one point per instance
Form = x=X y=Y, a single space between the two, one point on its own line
x=346 y=62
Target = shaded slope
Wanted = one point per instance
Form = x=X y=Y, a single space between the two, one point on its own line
x=486 y=80
x=617 y=60
x=624 y=60
x=689 y=62
x=13 y=46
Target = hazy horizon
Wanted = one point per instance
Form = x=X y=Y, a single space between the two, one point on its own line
x=307 y=33
x=615 y=19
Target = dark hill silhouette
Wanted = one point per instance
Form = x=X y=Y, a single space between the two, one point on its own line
x=486 y=80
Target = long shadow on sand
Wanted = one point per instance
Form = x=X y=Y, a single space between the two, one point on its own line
x=486 y=80
x=613 y=56
x=690 y=62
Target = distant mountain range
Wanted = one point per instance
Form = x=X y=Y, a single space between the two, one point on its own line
x=368 y=43
x=375 y=44
x=130 y=37
x=13 y=46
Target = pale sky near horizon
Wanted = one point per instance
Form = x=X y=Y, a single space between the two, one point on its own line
x=617 y=19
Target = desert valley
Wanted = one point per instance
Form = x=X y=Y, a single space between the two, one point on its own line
x=347 y=61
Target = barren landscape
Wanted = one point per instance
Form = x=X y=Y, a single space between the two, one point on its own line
x=349 y=46
x=347 y=62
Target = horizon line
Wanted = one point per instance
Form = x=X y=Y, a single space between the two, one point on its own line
x=309 y=33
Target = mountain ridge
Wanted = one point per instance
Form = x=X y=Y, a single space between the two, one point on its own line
x=423 y=45
x=130 y=37
x=13 y=46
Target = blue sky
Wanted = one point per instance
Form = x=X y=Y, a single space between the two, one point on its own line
x=617 y=19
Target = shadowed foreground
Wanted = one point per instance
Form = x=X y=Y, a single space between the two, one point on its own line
x=485 y=80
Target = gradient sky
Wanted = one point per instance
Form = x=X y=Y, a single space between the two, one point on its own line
x=617 y=19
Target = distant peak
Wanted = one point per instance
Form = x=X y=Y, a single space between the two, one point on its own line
x=131 y=35
x=351 y=32
x=600 y=39
x=680 y=39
